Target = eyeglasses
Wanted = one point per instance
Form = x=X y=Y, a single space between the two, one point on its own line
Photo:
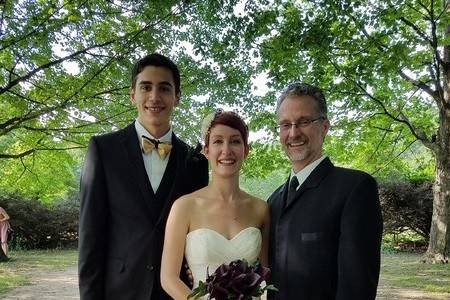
x=285 y=127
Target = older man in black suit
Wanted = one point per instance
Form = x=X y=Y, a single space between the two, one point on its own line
x=326 y=221
x=130 y=180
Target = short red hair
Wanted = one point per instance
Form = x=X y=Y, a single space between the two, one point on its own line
x=230 y=119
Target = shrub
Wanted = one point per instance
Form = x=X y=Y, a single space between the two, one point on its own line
x=407 y=206
x=39 y=226
x=406 y=241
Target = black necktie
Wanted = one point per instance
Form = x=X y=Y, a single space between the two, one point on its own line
x=292 y=189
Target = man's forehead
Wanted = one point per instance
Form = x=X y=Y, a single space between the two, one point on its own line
x=222 y=134
x=297 y=111
x=296 y=117
x=303 y=105
x=150 y=82
x=155 y=75
x=304 y=98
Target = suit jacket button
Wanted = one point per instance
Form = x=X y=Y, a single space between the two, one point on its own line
x=150 y=268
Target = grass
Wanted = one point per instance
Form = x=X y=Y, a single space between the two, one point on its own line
x=398 y=270
x=23 y=265
x=401 y=265
x=404 y=270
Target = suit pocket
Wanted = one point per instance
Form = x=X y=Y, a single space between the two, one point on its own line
x=314 y=255
x=306 y=237
x=115 y=265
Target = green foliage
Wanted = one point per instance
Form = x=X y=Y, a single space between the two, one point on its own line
x=406 y=207
x=359 y=66
x=386 y=156
x=44 y=175
x=357 y=52
x=264 y=159
x=36 y=225
x=264 y=187
x=406 y=241
x=65 y=76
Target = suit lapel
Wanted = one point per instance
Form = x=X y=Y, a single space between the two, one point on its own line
x=280 y=200
x=172 y=178
x=312 y=181
x=137 y=168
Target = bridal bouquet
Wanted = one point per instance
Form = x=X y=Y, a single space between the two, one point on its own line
x=236 y=280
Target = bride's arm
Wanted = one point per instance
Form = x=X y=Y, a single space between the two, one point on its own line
x=175 y=238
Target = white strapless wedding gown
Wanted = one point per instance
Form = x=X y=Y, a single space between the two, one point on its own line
x=206 y=248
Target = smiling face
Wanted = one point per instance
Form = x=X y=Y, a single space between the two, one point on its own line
x=302 y=145
x=226 y=150
x=155 y=97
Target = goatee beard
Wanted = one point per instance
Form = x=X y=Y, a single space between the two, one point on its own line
x=296 y=156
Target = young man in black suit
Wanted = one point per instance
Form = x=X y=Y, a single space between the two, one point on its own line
x=130 y=180
x=326 y=221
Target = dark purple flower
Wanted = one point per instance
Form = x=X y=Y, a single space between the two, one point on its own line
x=237 y=280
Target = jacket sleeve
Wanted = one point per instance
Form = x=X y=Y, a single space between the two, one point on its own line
x=92 y=226
x=204 y=176
x=200 y=175
x=359 y=243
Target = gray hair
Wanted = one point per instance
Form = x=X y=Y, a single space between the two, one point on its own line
x=303 y=89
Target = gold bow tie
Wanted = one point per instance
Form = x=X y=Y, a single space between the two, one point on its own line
x=149 y=144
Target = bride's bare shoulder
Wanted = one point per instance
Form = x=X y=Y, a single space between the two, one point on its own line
x=192 y=200
x=255 y=201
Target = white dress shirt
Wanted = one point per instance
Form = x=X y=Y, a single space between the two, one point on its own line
x=154 y=165
x=306 y=171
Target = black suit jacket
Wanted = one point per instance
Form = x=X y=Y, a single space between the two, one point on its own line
x=325 y=244
x=122 y=221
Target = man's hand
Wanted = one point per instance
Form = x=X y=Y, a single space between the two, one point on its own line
x=189 y=275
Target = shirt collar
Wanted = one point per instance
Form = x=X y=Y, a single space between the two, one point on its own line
x=140 y=130
x=303 y=174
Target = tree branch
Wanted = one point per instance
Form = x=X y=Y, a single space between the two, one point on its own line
x=380 y=142
x=70 y=129
x=62 y=149
x=17 y=120
x=34 y=150
x=77 y=53
x=2 y=18
x=36 y=29
x=25 y=168
x=418 y=31
x=420 y=136
x=25 y=98
x=424 y=87
x=392 y=159
x=433 y=43
x=15 y=156
x=444 y=10
x=429 y=11
x=50 y=64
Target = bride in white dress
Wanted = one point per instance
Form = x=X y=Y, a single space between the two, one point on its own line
x=219 y=223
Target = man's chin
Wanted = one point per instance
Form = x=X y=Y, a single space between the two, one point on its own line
x=155 y=121
x=294 y=157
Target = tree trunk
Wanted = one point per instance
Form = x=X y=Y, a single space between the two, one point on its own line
x=439 y=246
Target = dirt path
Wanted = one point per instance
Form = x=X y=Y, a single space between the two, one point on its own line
x=52 y=285
x=64 y=285
x=391 y=293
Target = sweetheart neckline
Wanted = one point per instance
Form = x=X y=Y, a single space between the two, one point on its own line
x=219 y=234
